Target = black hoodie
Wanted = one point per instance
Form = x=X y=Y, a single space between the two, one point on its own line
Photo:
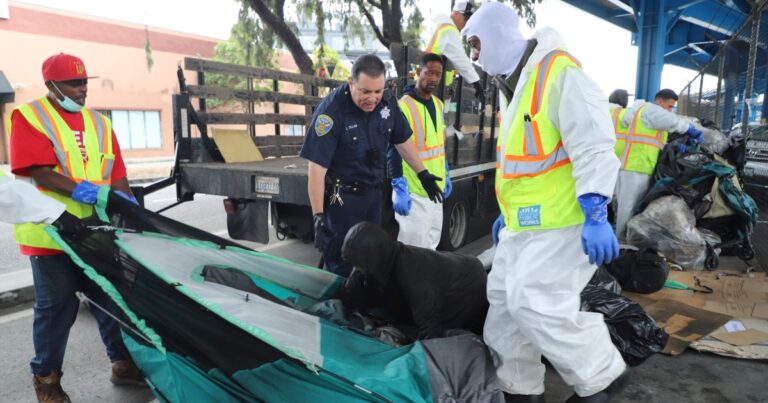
x=435 y=290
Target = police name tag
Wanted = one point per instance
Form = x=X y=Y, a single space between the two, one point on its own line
x=266 y=184
x=529 y=216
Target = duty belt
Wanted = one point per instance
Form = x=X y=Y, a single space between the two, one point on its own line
x=335 y=185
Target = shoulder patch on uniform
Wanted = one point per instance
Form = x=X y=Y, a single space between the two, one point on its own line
x=323 y=125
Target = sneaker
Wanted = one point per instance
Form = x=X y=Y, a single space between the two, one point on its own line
x=125 y=372
x=48 y=388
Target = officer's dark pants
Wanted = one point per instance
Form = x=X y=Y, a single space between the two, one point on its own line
x=358 y=207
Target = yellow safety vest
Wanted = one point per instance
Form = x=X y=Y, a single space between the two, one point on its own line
x=434 y=47
x=535 y=187
x=430 y=141
x=641 y=146
x=617 y=116
x=98 y=169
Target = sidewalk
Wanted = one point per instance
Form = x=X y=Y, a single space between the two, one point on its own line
x=140 y=170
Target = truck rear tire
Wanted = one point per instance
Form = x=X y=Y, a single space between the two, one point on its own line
x=455 y=226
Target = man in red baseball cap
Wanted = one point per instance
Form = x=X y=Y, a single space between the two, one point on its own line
x=70 y=152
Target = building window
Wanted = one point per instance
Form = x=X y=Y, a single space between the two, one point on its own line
x=136 y=129
x=294 y=130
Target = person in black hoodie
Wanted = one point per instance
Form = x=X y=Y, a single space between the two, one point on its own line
x=436 y=291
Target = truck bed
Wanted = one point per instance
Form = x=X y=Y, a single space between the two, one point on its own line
x=277 y=179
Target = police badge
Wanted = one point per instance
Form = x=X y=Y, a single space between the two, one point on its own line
x=323 y=125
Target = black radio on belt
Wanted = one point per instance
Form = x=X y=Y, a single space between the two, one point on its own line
x=373 y=156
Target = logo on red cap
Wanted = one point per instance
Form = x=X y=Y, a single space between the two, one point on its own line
x=63 y=67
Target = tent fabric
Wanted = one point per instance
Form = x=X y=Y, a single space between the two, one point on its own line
x=209 y=320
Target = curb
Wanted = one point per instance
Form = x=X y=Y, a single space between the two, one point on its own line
x=10 y=299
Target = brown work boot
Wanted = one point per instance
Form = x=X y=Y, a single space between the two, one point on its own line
x=48 y=388
x=125 y=372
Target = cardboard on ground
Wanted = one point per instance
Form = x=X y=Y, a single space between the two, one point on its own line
x=236 y=145
x=699 y=321
x=741 y=295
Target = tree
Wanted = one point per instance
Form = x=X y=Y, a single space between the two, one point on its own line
x=383 y=17
x=272 y=13
x=249 y=44
x=328 y=59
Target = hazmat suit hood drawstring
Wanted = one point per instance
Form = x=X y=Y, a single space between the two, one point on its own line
x=501 y=43
x=367 y=247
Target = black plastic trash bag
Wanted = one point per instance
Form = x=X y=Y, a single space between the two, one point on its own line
x=639 y=271
x=633 y=332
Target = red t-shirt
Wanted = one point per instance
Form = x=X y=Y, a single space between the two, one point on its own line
x=31 y=148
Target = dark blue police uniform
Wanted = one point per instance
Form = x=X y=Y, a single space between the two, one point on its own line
x=352 y=144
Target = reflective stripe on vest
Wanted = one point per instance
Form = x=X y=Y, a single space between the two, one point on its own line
x=417 y=117
x=641 y=146
x=429 y=138
x=534 y=162
x=434 y=42
x=534 y=180
x=434 y=47
x=617 y=116
x=97 y=139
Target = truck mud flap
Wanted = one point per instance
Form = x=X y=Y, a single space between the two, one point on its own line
x=248 y=220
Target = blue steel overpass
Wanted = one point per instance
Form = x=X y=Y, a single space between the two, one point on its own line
x=694 y=34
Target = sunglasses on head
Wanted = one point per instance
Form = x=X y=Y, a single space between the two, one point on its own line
x=75 y=83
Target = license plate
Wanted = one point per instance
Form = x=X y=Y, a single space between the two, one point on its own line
x=266 y=184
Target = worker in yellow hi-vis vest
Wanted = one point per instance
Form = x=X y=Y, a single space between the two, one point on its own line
x=419 y=218
x=647 y=125
x=555 y=173
x=72 y=155
x=446 y=41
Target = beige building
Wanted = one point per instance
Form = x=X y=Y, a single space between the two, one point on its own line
x=137 y=99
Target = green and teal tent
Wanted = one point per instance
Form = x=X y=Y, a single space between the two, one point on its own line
x=207 y=320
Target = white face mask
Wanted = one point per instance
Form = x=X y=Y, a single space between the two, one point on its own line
x=67 y=104
x=501 y=43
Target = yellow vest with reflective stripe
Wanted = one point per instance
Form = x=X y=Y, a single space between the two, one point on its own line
x=641 y=146
x=98 y=169
x=535 y=187
x=617 y=116
x=434 y=47
x=429 y=141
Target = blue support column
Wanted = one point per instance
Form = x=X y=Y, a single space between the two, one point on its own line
x=650 y=40
x=764 y=106
x=730 y=92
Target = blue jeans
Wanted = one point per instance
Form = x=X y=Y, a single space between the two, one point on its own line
x=56 y=279
x=358 y=207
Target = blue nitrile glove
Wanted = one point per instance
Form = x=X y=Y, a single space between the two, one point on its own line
x=696 y=135
x=498 y=225
x=681 y=148
x=126 y=197
x=402 y=201
x=597 y=238
x=85 y=192
x=448 y=185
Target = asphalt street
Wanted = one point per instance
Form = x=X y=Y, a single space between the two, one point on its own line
x=690 y=377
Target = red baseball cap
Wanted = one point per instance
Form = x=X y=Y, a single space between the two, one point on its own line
x=63 y=67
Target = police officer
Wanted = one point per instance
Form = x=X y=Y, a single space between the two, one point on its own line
x=346 y=145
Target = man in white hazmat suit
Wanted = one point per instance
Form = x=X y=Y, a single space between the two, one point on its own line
x=556 y=164
x=446 y=41
x=21 y=202
x=647 y=126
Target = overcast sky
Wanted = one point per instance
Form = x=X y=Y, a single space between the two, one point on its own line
x=608 y=56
